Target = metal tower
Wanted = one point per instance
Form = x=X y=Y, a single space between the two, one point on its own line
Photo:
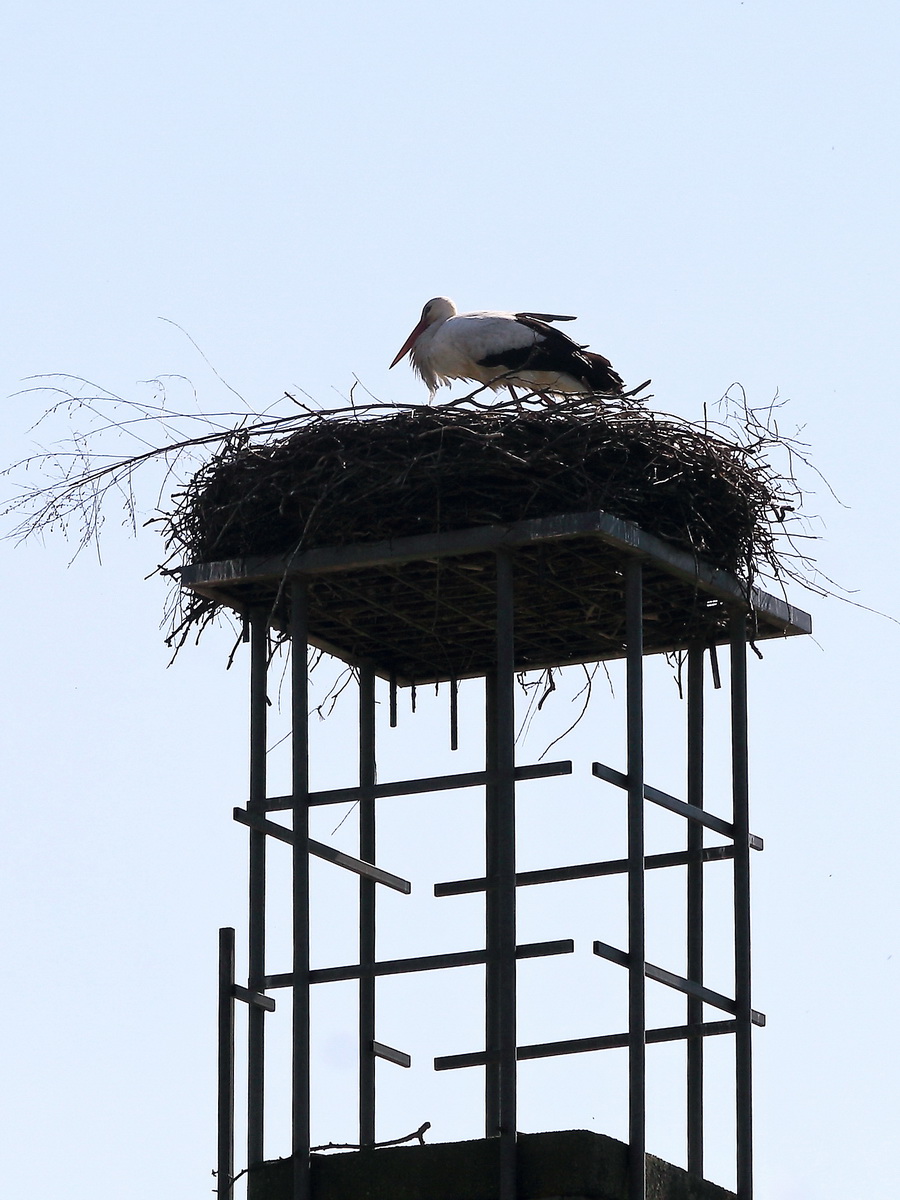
x=490 y=602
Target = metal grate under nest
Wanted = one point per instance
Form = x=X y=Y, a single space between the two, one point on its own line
x=420 y=609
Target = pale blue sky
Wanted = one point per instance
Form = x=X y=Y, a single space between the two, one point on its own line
x=712 y=188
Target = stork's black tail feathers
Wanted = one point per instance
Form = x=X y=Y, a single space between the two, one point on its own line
x=600 y=376
x=603 y=379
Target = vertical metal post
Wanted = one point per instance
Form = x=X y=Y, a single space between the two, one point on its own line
x=300 y=1098
x=491 y=983
x=225 y=1157
x=634 y=667
x=259 y=661
x=695 y=908
x=505 y=870
x=741 y=794
x=454 y=714
x=367 y=907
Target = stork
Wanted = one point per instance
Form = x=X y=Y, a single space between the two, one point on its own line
x=502 y=349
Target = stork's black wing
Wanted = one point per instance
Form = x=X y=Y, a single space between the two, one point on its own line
x=554 y=351
x=544 y=317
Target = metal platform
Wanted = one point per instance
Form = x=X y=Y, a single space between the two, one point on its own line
x=421 y=609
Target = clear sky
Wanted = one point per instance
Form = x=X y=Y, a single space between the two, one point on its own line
x=712 y=187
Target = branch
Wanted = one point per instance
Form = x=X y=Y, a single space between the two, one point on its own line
x=416 y=1135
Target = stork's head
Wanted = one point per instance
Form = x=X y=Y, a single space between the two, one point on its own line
x=436 y=311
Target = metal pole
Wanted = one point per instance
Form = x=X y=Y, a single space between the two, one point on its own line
x=454 y=714
x=367 y=907
x=225 y=1159
x=300 y=1098
x=634 y=664
x=695 y=909
x=741 y=794
x=505 y=800
x=491 y=985
x=259 y=655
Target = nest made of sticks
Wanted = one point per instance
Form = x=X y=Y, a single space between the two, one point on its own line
x=370 y=475
x=348 y=479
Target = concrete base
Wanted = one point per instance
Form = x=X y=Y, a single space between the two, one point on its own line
x=573 y=1165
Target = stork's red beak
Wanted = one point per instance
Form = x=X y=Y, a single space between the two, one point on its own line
x=409 y=343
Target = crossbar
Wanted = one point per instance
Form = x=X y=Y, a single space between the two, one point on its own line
x=328 y=853
x=614 y=866
x=428 y=962
x=610 y=1041
x=251 y=997
x=389 y=1054
x=664 y=800
x=414 y=787
x=678 y=982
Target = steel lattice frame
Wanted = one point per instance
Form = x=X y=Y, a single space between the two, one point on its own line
x=499 y=778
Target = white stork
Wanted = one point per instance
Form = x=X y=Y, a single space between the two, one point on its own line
x=503 y=349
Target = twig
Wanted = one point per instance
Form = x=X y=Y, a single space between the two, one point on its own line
x=417 y=1134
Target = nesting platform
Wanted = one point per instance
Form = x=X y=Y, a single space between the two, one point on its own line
x=573 y=1165
x=421 y=608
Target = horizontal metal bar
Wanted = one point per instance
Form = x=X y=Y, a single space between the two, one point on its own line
x=664 y=800
x=678 y=982
x=612 y=1041
x=400 y=966
x=699 y=992
x=611 y=953
x=615 y=866
x=389 y=1054
x=367 y=870
x=257 y=999
x=430 y=962
x=320 y=850
x=622 y=535
x=254 y=821
x=414 y=787
x=285 y=980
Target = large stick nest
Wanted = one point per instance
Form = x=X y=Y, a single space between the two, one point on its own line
x=342 y=480
x=363 y=476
